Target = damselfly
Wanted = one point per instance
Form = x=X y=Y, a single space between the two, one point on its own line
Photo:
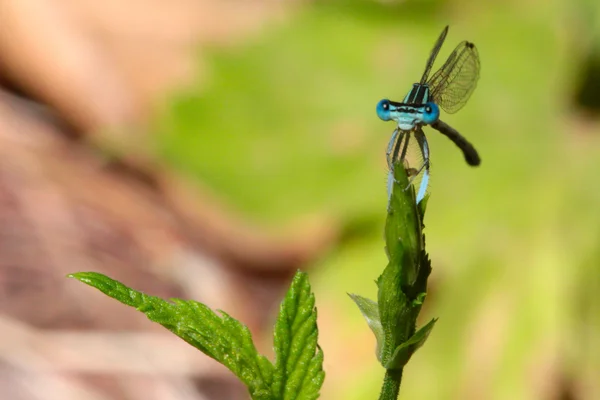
x=449 y=88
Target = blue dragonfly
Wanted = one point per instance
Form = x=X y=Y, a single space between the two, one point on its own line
x=449 y=89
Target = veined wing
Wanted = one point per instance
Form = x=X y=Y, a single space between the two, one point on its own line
x=433 y=54
x=451 y=86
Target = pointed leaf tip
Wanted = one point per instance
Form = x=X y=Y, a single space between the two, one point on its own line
x=370 y=311
x=299 y=362
x=220 y=337
x=404 y=351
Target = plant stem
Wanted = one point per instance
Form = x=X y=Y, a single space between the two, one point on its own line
x=391 y=384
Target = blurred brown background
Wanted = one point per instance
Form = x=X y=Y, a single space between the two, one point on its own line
x=208 y=149
x=80 y=77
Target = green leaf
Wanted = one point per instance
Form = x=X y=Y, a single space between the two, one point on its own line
x=299 y=361
x=370 y=310
x=404 y=351
x=220 y=337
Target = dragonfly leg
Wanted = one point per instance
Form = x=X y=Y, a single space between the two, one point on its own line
x=424 y=146
x=390 y=186
x=392 y=155
x=397 y=154
x=390 y=148
x=394 y=149
x=400 y=143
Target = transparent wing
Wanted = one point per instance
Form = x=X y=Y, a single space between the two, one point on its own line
x=451 y=86
x=433 y=54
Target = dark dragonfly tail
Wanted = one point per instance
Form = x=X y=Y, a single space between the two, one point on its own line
x=471 y=155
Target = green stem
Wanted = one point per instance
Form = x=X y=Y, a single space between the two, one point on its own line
x=391 y=384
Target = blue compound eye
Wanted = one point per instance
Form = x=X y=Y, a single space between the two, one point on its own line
x=383 y=110
x=431 y=113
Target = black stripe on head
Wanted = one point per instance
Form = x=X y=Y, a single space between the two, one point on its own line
x=418 y=95
x=422 y=95
x=425 y=94
x=410 y=98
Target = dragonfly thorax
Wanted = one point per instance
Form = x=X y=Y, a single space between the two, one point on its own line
x=419 y=94
x=410 y=116
x=415 y=110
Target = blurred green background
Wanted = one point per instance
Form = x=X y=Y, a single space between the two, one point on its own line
x=284 y=125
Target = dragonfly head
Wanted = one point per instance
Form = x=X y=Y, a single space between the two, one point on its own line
x=383 y=110
x=431 y=113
